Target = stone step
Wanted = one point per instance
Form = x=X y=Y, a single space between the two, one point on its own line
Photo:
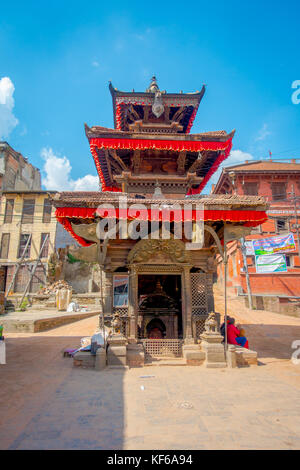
x=166 y=362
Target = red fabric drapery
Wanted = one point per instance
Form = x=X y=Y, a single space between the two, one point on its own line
x=175 y=145
x=249 y=218
x=159 y=144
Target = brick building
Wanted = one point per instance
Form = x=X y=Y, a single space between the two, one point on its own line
x=25 y=215
x=276 y=181
x=16 y=172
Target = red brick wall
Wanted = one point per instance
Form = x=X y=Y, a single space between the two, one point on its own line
x=281 y=284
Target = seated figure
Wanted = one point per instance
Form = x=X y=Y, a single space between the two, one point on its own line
x=155 y=333
x=234 y=334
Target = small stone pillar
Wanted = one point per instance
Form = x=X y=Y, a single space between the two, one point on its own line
x=132 y=305
x=63 y=298
x=187 y=306
x=117 y=351
x=211 y=344
x=100 y=362
x=231 y=356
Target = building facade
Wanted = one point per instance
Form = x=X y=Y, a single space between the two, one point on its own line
x=27 y=223
x=279 y=184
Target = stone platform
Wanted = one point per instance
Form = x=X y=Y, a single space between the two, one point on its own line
x=34 y=321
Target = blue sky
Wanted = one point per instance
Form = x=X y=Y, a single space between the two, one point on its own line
x=58 y=59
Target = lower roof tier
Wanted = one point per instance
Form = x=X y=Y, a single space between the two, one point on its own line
x=88 y=207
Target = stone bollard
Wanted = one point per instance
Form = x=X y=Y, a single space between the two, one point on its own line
x=100 y=362
x=231 y=356
x=63 y=298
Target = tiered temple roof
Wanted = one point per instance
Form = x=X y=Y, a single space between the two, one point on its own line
x=151 y=158
x=151 y=142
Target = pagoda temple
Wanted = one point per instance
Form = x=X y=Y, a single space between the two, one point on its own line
x=159 y=288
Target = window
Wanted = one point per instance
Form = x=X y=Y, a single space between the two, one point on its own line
x=45 y=250
x=28 y=211
x=251 y=189
x=256 y=229
x=281 y=225
x=4 y=245
x=278 y=191
x=9 y=209
x=23 y=242
x=289 y=261
x=47 y=211
x=121 y=291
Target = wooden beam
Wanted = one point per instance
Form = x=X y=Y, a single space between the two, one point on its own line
x=136 y=161
x=108 y=162
x=181 y=162
x=178 y=113
x=195 y=165
x=115 y=156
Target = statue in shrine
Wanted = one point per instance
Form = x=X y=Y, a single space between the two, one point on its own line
x=116 y=323
x=211 y=324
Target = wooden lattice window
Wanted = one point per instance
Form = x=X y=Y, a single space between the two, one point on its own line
x=4 y=245
x=28 y=211
x=199 y=293
x=9 y=209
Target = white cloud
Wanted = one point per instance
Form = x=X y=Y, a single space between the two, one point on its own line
x=8 y=121
x=57 y=172
x=236 y=157
x=263 y=133
x=95 y=63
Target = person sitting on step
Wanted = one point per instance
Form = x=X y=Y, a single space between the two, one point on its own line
x=236 y=335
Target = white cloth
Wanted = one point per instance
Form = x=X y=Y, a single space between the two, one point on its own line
x=99 y=337
x=73 y=307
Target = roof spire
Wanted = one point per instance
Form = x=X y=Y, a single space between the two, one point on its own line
x=153 y=85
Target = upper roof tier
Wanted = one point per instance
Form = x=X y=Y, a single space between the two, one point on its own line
x=155 y=111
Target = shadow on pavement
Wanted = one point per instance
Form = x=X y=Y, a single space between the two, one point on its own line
x=49 y=404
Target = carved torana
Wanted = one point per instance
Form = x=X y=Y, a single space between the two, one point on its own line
x=144 y=250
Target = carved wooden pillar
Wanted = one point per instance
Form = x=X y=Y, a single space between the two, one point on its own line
x=108 y=292
x=133 y=303
x=187 y=305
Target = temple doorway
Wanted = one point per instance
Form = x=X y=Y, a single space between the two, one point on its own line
x=159 y=306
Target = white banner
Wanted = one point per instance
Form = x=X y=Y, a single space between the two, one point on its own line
x=270 y=263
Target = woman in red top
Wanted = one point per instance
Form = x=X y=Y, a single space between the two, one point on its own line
x=233 y=335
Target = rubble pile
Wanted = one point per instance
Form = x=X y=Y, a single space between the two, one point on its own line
x=53 y=288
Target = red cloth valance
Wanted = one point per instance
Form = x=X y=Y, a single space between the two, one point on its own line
x=175 y=145
x=249 y=218
x=159 y=144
